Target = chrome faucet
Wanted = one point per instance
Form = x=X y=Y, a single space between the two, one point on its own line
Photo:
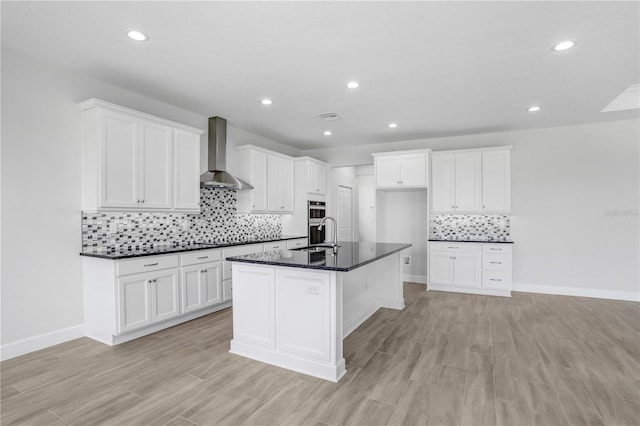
x=335 y=229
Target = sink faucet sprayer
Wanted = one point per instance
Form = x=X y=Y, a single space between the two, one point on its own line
x=335 y=229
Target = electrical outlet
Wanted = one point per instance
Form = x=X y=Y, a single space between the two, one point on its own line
x=406 y=260
x=185 y=225
x=312 y=289
x=113 y=227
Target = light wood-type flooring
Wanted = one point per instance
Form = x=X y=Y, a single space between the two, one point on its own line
x=446 y=359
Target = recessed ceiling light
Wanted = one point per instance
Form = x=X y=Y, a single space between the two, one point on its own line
x=327 y=133
x=567 y=44
x=137 y=36
x=267 y=102
x=533 y=108
x=353 y=85
x=393 y=125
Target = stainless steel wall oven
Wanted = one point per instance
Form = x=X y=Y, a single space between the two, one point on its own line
x=316 y=212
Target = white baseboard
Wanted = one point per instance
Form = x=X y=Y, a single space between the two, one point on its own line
x=630 y=296
x=35 y=343
x=420 y=279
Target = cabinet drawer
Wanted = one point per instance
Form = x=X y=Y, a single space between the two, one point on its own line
x=146 y=264
x=200 y=256
x=276 y=245
x=496 y=261
x=496 y=279
x=497 y=248
x=455 y=246
x=302 y=242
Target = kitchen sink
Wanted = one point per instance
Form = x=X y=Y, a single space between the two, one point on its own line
x=319 y=247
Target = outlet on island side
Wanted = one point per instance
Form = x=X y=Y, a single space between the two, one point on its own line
x=406 y=260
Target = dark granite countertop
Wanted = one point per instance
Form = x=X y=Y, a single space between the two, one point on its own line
x=473 y=241
x=350 y=255
x=169 y=249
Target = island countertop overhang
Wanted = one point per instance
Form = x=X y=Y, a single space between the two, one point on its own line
x=350 y=255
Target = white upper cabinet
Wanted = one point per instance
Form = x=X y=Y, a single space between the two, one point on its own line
x=316 y=177
x=442 y=182
x=156 y=168
x=135 y=161
x=280 y=184
x=467 y=182
x=252 y=168
x=119 y=160
x=186 y=167
x=272 y=176
x=496 y=181
x=401 y=169
x=471 y=181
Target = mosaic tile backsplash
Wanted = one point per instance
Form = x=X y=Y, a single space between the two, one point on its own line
x=480 y=227
x=217 y=222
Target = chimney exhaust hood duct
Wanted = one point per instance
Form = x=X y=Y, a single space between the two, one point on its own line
x=216 y=176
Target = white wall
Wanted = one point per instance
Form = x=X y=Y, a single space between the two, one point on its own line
x=575 y=203
x=41 y=289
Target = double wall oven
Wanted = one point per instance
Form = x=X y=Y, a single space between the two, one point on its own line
x=316 y=212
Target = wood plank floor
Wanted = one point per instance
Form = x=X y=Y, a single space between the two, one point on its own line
x=446 y=359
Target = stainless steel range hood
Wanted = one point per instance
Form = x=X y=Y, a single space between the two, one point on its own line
x=216 y=176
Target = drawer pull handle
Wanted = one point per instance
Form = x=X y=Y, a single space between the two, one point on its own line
x=275 y=247
x=151 y=264
x=203 y=257
x=453 y=247
x=495 y=249
x=496 y=263
x=495 y=279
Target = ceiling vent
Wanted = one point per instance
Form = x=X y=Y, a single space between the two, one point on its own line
x=329 y=116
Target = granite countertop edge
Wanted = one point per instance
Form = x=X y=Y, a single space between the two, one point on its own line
x=125 y=254
x=246 y=259
x=473 y=241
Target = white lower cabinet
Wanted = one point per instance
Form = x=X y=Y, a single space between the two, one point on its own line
x=201 y=285
x=126 y=299
x=480 y=268
x=254 y=321
x=304 y=310
x=146 y=298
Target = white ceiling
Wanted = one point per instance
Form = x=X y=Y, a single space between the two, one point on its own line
x=436 y=68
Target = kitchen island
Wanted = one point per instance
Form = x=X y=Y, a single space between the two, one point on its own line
x=293 y=308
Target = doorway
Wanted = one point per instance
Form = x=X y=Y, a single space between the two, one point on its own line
x=345 y=213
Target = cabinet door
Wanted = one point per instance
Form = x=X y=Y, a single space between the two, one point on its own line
x=259 y=181
x=304 y=313
x=467 y=182
x=413 y=170
x=192 y=278
x=443 y=175
x=387 y=170
x=212 y=283
x=134 y=310
x=254 y=303
x=466 y=270
x=316 y=178
x=156 y=174
x=496 y=181
x=118 y=160
x=441 y=271
x=165 y=294
x=186 y=173
x=286 y=181
x=280 y=184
